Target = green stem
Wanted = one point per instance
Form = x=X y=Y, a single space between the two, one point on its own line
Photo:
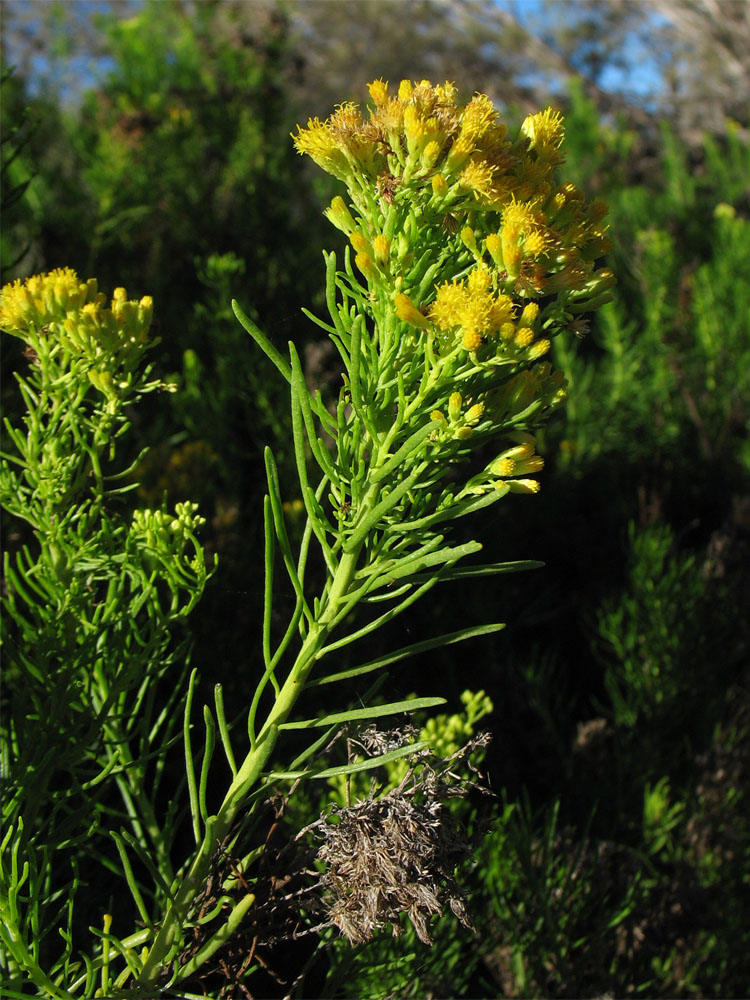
x=218 y=827
x=131 y=781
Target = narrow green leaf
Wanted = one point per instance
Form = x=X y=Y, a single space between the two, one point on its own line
x=368 y=764
x=226 y=741
x=323 y=740
x=299 y=387
x=411 y=443
x=206 y=763
x=388 y=616
x=373 y=712
x=220 y=938
x=491 y=569
x=333 y=309
x=314 y=510
x=355 y=386
x=262 y=341
x=269 y=552
x=460 y=509
x=189 y=764
x=388 y=503
x=412 y=566
x=144 y=856
x=488 y=569
x=330 y=330
x=272 y=476
x=127 y=869
x=447 y=639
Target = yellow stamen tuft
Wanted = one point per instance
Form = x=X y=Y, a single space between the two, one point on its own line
x=474 y=413
x=545 y=132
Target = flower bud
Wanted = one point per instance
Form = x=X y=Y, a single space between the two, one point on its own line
x=340 y=216
x=454 y=406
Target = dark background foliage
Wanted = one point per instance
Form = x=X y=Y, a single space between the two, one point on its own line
x=148 y=144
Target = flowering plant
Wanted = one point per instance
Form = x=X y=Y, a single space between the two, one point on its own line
x=466 y=258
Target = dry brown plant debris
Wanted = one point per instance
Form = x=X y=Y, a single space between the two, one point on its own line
x=358 y=867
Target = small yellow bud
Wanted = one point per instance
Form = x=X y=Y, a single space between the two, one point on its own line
x=534 y=244
x=601 y=281
x=439 y=184
x=502 y=467
x=474 y=413
x=511 y=257
x=507 y=331
x=413 y=123
x=472 y=340
x=378 y=91
x=407 y=311
x=522 y=450
x=463 y=433
x=539 y=349
x=454 y=405
x=523 y=485
x=382 y=246
x=430 y=154
x=524 y=336
x=469 y=240
x=340 y=216
x=438 y=418
x=405 y=90
x=495 y=247
x=532 y=464
x=366 y=265
x=360 y=244
x=529 y=314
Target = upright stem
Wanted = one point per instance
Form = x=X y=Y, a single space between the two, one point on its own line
x=219 y=826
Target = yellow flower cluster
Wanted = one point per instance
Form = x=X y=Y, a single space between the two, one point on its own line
x=473 y=256
x=511 y=469
x=530 y=237
x=59 y=309
x=420 y=130
x=44 y=300
x=472 y=307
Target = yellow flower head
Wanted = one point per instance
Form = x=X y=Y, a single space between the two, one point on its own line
x=471 y=306
x=545 y=132
x=478 y=176
x=378 y=92
x=478 y=118
x=321 y=143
